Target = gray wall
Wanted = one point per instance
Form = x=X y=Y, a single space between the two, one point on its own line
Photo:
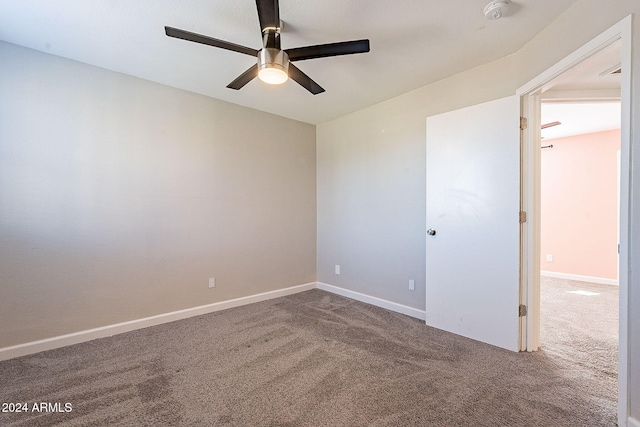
x=371 y=187
x=119 y=198
x=371 y=169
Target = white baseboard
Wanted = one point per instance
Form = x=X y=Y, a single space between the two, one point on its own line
x=379 y=302
x=632 y=422
x=590 y=279
x=119 y=328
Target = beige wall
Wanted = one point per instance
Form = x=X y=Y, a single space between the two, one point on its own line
x=119 y=198
x=371 y=169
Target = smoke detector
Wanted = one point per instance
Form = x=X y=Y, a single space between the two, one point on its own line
x=496 y=9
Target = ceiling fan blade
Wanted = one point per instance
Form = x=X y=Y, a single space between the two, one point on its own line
x=304 y=80
x=330 y=49
x=268 y=14
x=210 y=41
x=548 y=125
x=244 y=78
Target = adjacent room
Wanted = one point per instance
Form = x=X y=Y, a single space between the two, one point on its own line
x=580 y=230
x=224 y=213
x=580 y=211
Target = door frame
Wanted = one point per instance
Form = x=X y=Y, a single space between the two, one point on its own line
x=530 y=95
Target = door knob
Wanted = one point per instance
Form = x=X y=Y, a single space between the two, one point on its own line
x=431 y=232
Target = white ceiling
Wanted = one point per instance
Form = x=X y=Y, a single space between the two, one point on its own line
x=413 y=43
x=579 y=118
x=585 y=99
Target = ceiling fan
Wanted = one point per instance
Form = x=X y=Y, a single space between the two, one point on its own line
x=274 y=65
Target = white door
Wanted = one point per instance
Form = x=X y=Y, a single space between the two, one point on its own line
x=473 y=204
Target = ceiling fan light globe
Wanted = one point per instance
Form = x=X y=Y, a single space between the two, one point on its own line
x=273 y=66
x=273 y=75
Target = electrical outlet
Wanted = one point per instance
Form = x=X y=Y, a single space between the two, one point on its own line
x=337 y=269
x=549 y=258
x=412 y=285
x=212 y=282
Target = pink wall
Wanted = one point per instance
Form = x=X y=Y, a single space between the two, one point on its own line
x=580 y=205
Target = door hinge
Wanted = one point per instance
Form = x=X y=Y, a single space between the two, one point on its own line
x=523 y=217
x=523 y=123
x=522 y=310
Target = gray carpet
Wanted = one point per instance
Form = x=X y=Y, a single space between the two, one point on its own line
x=317 y=359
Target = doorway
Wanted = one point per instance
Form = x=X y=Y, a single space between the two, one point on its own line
x=532 y=95
x=579 y=227
x=579 y=295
